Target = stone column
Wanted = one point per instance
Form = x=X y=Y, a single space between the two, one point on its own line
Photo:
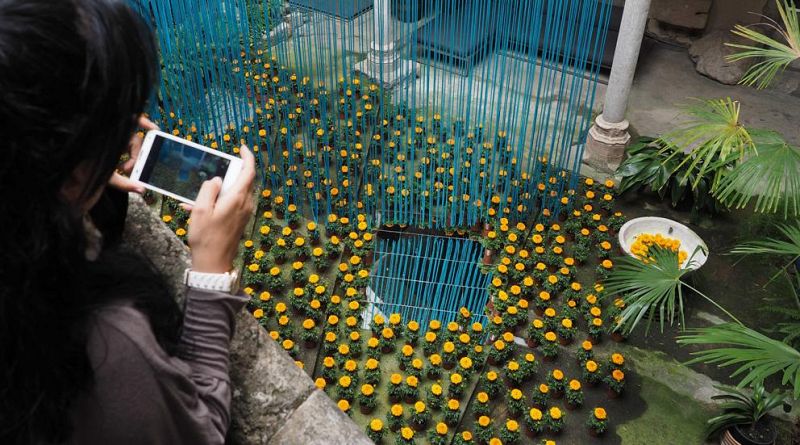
x=608 y=137
x=383 y=63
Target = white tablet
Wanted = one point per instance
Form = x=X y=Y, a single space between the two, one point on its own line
x=177 y=168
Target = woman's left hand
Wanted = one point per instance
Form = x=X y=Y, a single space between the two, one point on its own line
x=124 y=183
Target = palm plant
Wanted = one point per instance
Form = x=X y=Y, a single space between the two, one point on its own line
x=774 y=55
x=756 y=355
x=789 y=246
x=771 y=177
x=742 y=409
x=652 y=289
x=713 y=136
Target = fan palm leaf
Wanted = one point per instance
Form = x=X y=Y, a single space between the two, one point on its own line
x=772 y=178
x=651 y=289
x=774 y=55
x=755 y=355
x=788 y=245
x=713 y=136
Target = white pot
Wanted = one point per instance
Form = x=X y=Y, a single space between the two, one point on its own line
x=690 y=241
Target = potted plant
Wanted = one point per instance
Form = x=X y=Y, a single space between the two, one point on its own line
x=744 y=419
x=555 y=420
x=574 y=395
x=490 y=383
x=509 y=434
x=515 y=402
x=616 y=383
x=395 y=417
x=557 y=383
x=438 y=435
x=375 y=431
x=483 y=429
x=463 y=438
x=535 y=422
x=420 y=416
x=598 y=422
x=366 y=399
x=481 y=406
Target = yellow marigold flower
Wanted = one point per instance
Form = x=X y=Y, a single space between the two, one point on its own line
x=367 y=389
x=535 y=414
x=600 y=414
x=407 y=433
x=617 y=375
x=456 y=378
x=586 y=345
x=484 y=421
x=566 y=323
x=550 y=312
x=591 y=366
x=574 y=385
x=550 y=336
x=376 y=425
x=419 y=407
x=558 y=374
x=397 y=410
x=343 y=405
x=555 y=413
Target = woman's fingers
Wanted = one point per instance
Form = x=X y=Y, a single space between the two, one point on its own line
x=136 y=143
x=125 y=184
x=146 y=123
x=248 y=174
x=207 y=197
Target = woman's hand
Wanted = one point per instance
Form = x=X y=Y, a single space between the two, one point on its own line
x=217 y=224
x=124 y=183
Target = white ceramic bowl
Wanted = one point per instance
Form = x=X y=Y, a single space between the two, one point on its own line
x=668 y=228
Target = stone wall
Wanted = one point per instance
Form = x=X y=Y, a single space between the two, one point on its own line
x=274 y=401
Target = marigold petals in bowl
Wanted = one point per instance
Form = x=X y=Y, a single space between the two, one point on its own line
x=652 y=230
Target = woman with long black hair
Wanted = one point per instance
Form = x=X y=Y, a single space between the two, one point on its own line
x=93 y=348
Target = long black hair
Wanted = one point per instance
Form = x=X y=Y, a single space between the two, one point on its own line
x=74 y=77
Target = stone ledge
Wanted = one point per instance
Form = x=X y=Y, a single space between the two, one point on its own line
x=311 y=422
x=274 y=401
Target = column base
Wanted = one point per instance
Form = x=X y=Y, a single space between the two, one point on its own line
x=606 y=144
x=389 y=74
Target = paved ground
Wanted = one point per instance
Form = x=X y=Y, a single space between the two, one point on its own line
x=666 y=79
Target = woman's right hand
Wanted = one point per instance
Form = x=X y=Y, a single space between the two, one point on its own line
x=217 y=224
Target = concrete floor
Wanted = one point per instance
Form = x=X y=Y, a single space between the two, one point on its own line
x=666 y=78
